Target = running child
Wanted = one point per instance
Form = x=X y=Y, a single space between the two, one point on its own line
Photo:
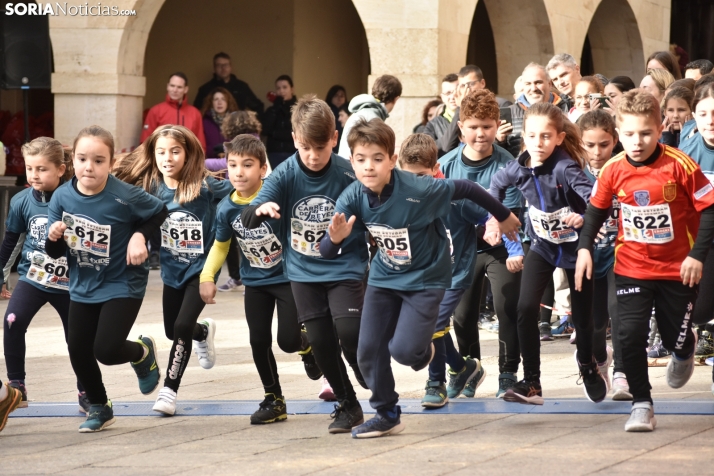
x=662 y=193
x=478 y=159
x=599 y=138
x=42 y=279
x=699 y=145
x=418 y=155
x=101 y=225
x=550 y=176
x=301 y=193
x=412 y=270
x=172 y=169
x=266 y=286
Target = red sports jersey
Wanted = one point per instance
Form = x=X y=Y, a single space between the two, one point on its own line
x=659 y=215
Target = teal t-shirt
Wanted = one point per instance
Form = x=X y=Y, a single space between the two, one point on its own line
x=188 y=228
x=696 y=148
x=307 y=205
x=262 y=248
x=604 y=252
x=414 y=251
x=29 y=216
x=460 y=225
x=97 y=236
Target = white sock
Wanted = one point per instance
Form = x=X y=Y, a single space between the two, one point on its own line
x=3 y=391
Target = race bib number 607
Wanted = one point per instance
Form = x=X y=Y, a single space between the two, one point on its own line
x=84 y=235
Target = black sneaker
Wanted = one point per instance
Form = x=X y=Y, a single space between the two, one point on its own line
x=359 y=377
x=594 y=384
x=705 y=345
x=154 y=260
x=84 y=403
x=546 y=332
x=346 y=415
x=308 y=360
x=271 y=410
x=20 y=386
x=525 y=391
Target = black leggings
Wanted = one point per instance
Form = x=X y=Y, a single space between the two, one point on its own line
x=327 y=338
x=233 y=259
x=704 y=310
x=25 y=302
x=604 y=310
x=98 y=332
x=506 y=288
x=536 y=273
x=260 y=303
x=181 y=310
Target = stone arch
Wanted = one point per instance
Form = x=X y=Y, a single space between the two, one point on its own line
x=616 y=41
x=519 y=38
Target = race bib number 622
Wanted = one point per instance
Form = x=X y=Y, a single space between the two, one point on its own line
x=84 y=235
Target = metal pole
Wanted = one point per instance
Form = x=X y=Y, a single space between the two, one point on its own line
x=26 y=106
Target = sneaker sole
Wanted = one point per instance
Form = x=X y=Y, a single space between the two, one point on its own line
x=621 y=395
x=334 y=431
x=642 y=428
x=514 y=397
x=13 y=406
x=23 y=404
x=277 y=419
x=398 y=428
x=104 y=425
x=435 y=405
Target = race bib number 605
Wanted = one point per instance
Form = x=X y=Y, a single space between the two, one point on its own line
x=84 y=235
x=49 y=272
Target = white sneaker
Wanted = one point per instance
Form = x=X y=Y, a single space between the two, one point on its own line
x=205 y=350
x=641 y=418
x=680 y=371
x=166 y=402
x=326 y=393
x=604 y=368
x=620 y=387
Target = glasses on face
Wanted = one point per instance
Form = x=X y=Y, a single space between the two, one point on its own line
x=468 y=85
x=449 y=93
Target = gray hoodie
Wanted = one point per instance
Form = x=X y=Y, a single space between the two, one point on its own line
x=362 y=106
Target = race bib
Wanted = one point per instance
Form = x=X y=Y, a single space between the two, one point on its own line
x=49 y=272
x=182 y=236
x=611 y=223
x=550 y=226
x=305 y=236
x=84 y=235
x=651 y=225
x=393 y=244
x=263 y=253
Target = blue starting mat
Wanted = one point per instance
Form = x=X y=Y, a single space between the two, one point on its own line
x=314 y=407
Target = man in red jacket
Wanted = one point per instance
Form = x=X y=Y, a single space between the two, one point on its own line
x=175 y=110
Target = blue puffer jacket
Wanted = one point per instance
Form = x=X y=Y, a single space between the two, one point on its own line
x=558 y=183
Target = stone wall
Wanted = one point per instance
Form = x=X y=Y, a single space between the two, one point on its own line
x=101 y=76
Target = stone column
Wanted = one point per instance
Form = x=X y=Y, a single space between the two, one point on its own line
x=98 y=76
x=418 y=41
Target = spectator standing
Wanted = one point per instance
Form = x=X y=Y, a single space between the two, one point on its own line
x=223 y=77
x=664 y=60
x=564 y=72
x=216 y=107
x=336 y=98
x=437 y=126
x=698 y=68
x=276 y=122
x=175 y=110
x=430 y=112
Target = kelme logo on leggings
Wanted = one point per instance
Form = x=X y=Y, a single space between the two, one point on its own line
x=178 y=359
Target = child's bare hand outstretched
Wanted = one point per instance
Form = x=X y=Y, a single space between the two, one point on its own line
x=340 y=228
x=207 y=291
x=574 y=221
x=56 y=231
x=268 y=209
x=509 y=227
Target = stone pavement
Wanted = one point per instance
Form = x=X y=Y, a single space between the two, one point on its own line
x=431 y=443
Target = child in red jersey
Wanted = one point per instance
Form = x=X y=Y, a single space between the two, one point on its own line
x=662 y=193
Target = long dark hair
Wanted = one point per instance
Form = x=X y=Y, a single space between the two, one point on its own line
x=331 y=93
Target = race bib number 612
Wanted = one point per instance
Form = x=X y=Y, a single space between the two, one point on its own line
x=84 y=235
